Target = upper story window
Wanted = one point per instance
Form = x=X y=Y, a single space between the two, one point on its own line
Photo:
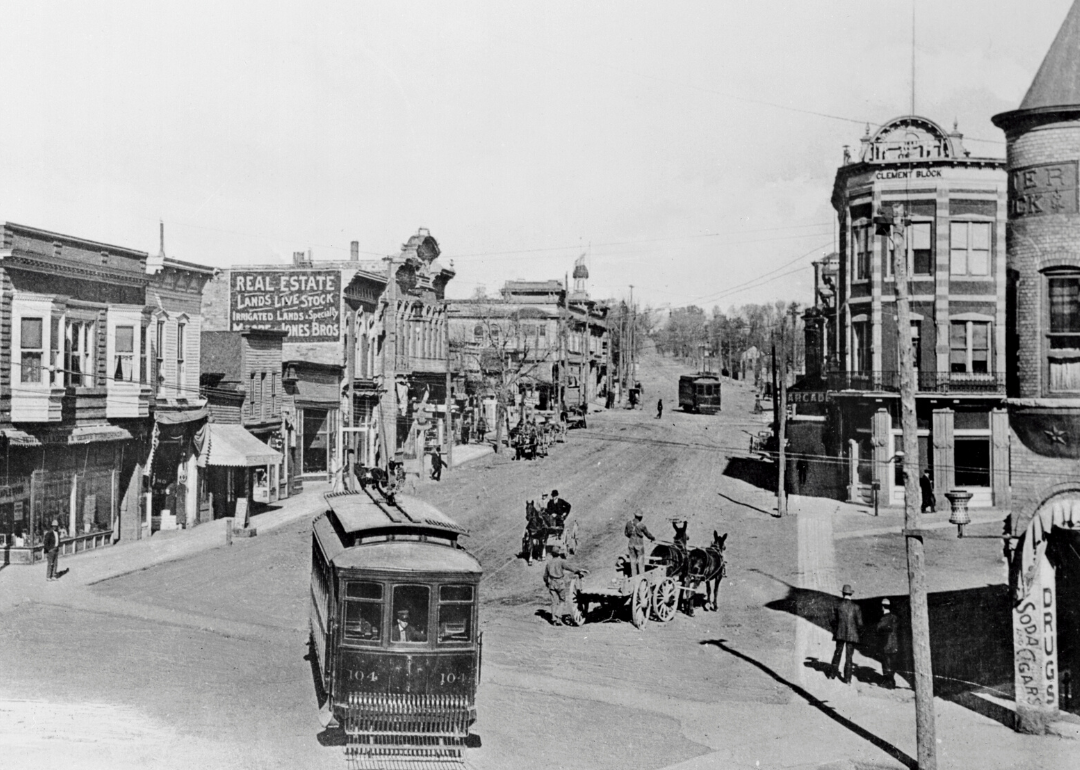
x=123 y=368
x=969 y=248
x=181 y=353
x=159 y=348
x=1063 y=335
x=263 y=401
x=79 y=345
x=863 y=244
x=144 y=375
x=32 y=346
x=969 y=347
x=918 y=243
x=862 y=356
x=251 y=395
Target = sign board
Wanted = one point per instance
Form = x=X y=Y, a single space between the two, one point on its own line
x=1050 y=188
x=304 y=303
x=807 y=396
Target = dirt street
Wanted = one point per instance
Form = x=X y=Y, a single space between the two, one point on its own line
x=203 y=660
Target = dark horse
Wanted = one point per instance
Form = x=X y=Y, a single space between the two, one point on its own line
x=707 y=566
x=532 y=543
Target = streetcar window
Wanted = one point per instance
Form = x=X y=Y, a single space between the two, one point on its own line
x=455 y=614
x=363 y=612
x=409 y=621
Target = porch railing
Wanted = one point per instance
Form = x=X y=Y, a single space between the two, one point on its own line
x=928 y=382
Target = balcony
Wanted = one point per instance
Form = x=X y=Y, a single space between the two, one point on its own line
x=35 y=402
x=928 y=382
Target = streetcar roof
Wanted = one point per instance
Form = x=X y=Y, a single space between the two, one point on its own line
x=407 y=556
x=360 y=511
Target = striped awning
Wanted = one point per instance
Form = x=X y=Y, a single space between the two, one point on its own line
x=233 y=446
x=86 y=434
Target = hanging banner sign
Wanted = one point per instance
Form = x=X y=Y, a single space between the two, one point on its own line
x=304 y=303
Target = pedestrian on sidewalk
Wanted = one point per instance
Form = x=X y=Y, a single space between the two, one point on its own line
x=659 y=408
x=926 y=486
x=436 y=466
x=52 y=550
x=635 y=532
x=847 y=623
x=481 y=428
x=886 y=628
x=557 y=584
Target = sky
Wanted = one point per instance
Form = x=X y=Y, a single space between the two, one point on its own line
x=688 y=149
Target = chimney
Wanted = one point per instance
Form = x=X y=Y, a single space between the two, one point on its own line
x=354 y=251
x=155 y=263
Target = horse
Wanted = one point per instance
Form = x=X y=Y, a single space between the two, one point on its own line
x=715 y=568
x=532 y=543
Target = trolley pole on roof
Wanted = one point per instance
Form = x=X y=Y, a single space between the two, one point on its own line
x=893 y=225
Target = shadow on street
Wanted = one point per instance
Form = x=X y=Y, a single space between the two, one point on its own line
x=970 y=640
x=759 y=473
x=820 y=705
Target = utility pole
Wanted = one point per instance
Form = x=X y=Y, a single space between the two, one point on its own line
x=894 y=226
x=448 y=426
x=350 y=414
x=633 y=362
x=781 y=428
x=389 y=365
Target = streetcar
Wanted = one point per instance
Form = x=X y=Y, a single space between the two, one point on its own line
x=699 y=393
x=394 y=632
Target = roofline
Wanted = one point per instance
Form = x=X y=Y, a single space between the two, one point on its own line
x=192 y=266
x=1007 y=121
x=73 y=238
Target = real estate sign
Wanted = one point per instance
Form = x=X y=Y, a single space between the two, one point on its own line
x=304 y=303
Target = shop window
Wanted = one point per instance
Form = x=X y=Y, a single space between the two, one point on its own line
x=1063 y=338
x=862 y=244
x=455 y=614
x=408 y=622
x=79 y=354
x=363 y=612
x=159 y=349
x=32 y=348
x=316 y=440
x=969 y=248
x=969 y=347
x=972 y=459
x=123 y=368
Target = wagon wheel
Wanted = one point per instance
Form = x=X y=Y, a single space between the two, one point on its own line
x=639 y=608
x=665 y=600
x=576 y=603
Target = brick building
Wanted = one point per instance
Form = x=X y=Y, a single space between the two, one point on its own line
x=955 y=246
x=1043 y=138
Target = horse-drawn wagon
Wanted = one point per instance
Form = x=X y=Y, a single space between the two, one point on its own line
x=674 y=576
x=542 y=534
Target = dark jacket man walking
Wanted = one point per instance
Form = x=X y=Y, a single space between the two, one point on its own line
x=847 y=623
x=52 y=550
x=886 y=629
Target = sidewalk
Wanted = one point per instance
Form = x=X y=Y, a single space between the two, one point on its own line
x=27 y=583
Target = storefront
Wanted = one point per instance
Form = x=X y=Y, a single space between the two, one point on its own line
x=239 y=468
x=73 y=478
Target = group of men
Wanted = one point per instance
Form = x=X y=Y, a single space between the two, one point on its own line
x=847 y=630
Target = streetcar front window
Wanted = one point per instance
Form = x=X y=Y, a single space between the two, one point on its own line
x=409 y=621
x=455 y=614
x=363 y=612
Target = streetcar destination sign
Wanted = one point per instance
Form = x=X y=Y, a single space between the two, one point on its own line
x=304 y=303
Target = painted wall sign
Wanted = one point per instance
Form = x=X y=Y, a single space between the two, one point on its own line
x=9 y=493
x=919 y=173
x=808 y=396
x=304 y=303
x=1050 y=188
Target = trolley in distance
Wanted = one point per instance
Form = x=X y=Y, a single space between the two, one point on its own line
x=699 y=393
x=394 y=629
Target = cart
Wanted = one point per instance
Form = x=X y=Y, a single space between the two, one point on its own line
x=654 y=594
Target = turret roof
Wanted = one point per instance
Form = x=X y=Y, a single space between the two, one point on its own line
x=1057 y=83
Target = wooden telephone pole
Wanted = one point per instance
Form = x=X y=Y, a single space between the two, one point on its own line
x=781 y=428
x=894 y=226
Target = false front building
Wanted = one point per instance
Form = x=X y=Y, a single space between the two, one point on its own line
x=955 y=248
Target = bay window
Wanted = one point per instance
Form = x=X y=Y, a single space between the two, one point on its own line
x=123 y=368
x=79 y=344
x=1063 y=337
x=32 y=349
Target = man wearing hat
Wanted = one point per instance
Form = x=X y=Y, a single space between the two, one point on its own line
x=635 y=532
x=847 y=623
x=886 y=628
x=555 y=580
x=557 y=509
x=52 y=550
x=402 y=631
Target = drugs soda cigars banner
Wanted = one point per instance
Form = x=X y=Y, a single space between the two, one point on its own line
x=304 y=303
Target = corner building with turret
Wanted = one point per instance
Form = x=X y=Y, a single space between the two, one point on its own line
x=1043 y=387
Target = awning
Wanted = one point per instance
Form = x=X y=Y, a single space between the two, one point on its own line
x=233 y=446
x=89 y=434
x=177 y=416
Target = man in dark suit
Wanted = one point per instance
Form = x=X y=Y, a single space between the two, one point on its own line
x=52 y=550
x=557 y=509
x=847 y=623
x=886 y=628
x=403 y=632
